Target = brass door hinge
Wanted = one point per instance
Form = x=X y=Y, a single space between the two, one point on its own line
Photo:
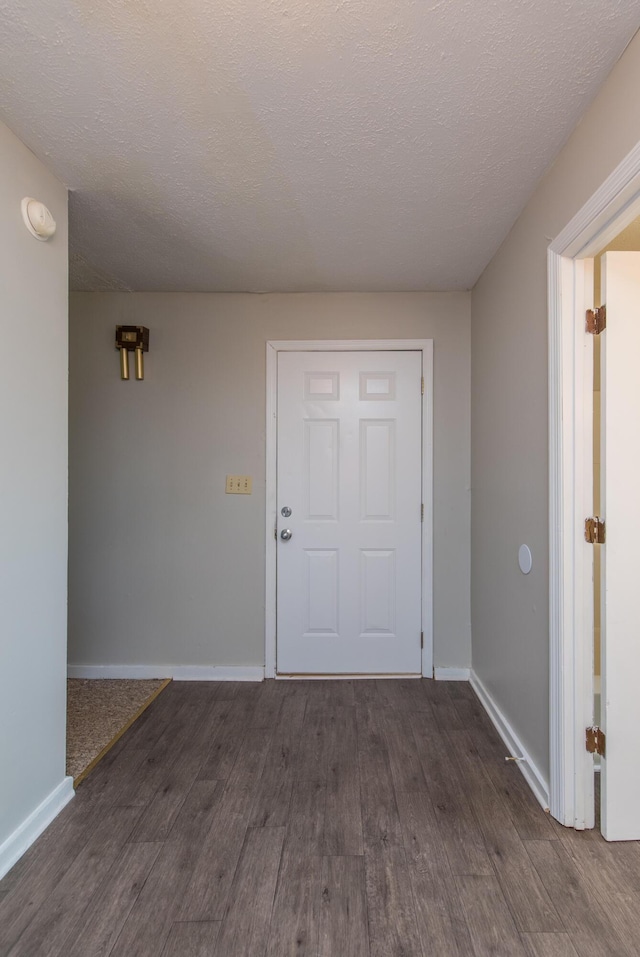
x=596 y=320
x=594 y=531
x=595 y=741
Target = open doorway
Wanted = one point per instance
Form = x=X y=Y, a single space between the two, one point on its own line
x=590 y=683
x=627 y=241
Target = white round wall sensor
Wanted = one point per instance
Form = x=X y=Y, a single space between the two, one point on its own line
x=525 y=561
x=38 y=219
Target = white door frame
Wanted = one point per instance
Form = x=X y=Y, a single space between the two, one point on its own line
x=615 y=204
x=425 y=346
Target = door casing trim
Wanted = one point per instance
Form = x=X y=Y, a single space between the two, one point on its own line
x=612 y=207
x=274 y=346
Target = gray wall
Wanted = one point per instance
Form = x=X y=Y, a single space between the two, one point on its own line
x=33 y=491
x=164 y=567
x=509 y=418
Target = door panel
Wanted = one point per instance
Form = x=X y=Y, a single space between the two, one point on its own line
x=350 y=469
x=620 y=484
x=321 y=458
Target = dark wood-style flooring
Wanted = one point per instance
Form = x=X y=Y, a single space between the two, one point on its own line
x=316 y=819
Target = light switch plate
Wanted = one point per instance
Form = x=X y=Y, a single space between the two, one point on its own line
x=238 y=485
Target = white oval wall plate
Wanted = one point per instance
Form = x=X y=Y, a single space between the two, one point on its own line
x=525 y=560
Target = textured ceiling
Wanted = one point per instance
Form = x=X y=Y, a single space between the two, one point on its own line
x=299 y=144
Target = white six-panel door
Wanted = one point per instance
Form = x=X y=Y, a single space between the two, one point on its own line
x=620 y=493
x=349 y=456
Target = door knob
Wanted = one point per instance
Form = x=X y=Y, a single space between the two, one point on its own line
x=285 y=512
x=286 y=534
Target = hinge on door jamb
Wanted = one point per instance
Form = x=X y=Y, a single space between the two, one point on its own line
x=422 y=513
x=422 y=639
x=594 y=531
x=596 y=320
x=422 y=385
x=595 y=741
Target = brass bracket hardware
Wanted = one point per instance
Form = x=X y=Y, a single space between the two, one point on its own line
x=596 y=320
x=594 y=531
x=132 y=339
x=595 y=741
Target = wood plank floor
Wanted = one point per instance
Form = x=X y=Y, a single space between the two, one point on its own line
x=316 y=819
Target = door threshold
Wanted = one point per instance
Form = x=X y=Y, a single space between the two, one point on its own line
x=347 y=676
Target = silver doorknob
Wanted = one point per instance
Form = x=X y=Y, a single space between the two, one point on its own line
x=285 y=512
x=286 y=534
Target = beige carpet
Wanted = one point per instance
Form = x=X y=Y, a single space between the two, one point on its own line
x=98 y=713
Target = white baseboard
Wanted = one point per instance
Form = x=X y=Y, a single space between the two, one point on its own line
x=32 y=827
x=177 y=672
x=532 y=775
x=347 y=677
x=451 y=674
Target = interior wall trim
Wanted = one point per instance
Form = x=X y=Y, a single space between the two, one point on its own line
x=513 y=745
x=452 y=674
x=32 y=827
x=177 y=672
